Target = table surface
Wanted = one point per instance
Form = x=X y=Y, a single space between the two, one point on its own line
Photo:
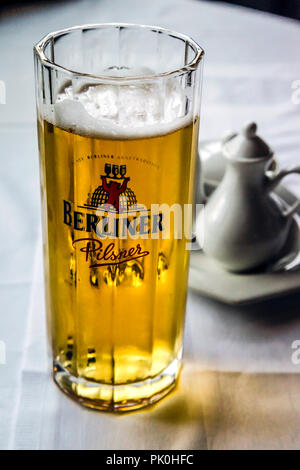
x=239 y=387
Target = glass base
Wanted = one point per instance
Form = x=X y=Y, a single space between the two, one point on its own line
x=117 y=398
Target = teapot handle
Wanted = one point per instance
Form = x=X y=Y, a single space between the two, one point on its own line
x=273 y=179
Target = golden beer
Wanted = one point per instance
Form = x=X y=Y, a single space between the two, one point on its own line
x=119 y=323
x=117 y=159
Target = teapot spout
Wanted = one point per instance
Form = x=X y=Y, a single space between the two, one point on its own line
x=274 y=179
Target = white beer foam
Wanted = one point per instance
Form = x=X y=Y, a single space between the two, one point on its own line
x=125 y=111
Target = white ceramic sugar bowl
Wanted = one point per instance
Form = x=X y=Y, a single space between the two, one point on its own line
x=242 y=225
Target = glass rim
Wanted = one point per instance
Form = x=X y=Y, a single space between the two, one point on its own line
x=39 y=49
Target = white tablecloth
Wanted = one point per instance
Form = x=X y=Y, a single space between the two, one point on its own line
x=239 y=387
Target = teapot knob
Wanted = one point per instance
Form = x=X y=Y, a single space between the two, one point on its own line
x=247 y=145
x=250 y=129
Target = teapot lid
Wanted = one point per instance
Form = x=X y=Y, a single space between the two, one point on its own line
x=247 y=145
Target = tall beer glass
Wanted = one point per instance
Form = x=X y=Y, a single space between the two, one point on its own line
x=118 y=117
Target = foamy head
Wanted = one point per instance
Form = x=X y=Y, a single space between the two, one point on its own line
x=124 y=111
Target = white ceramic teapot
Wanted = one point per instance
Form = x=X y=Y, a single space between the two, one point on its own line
x=242 y=225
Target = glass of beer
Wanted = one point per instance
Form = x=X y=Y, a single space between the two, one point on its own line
x=118 y=116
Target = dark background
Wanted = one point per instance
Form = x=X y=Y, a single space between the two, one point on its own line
x=289 y=8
